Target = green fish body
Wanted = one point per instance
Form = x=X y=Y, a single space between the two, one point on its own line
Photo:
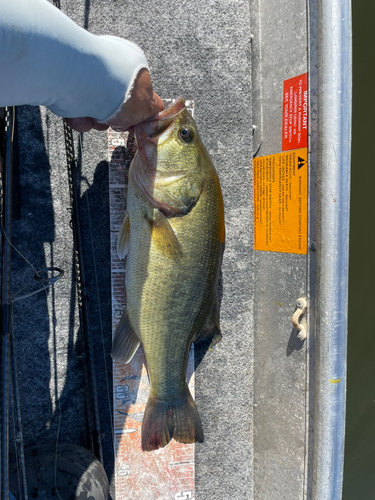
x=173 y=235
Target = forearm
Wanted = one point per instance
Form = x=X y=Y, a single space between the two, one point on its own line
x=48 y=60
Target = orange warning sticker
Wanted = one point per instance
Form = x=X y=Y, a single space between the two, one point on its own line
x=280 y=202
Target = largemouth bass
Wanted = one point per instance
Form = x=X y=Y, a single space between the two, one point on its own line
x=173 y=235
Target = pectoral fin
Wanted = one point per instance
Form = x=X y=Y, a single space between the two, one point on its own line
x=163 y=236
x=123 y=240
x=125 y=341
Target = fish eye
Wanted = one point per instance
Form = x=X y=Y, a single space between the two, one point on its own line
x=186 y=134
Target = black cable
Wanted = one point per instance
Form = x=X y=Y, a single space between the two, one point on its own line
x=5 y=322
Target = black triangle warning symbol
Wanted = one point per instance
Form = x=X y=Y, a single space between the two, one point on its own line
x=301 y=162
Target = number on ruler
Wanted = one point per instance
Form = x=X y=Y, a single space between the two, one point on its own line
x=183 y=495
x=118 y=142
x=123 y=470
x=122 y=392
x=117 y=313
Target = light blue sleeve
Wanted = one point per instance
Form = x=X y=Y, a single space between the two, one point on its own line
x=46 y=59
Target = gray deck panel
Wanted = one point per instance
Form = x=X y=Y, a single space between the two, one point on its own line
x=200 y=51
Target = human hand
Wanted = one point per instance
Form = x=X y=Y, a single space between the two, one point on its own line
x=144 y=103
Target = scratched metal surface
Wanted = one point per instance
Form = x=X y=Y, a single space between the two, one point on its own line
x=200 y=50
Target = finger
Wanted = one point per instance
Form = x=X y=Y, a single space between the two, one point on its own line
x=100 y=126
x=158 y=105
x=85 y=124
x=80 y=124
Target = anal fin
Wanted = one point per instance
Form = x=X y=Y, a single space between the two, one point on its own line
x=125 y=341
x=211 y=329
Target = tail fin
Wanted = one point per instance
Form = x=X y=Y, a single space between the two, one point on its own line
x=164 y=420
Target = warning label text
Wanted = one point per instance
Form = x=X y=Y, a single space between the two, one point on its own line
x=280 y=202
x=295 y=113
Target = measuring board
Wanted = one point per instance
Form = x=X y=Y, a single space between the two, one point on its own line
x=167 y=473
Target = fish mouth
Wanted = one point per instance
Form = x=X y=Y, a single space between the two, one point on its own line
x=171 y=111
x=158 y=128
